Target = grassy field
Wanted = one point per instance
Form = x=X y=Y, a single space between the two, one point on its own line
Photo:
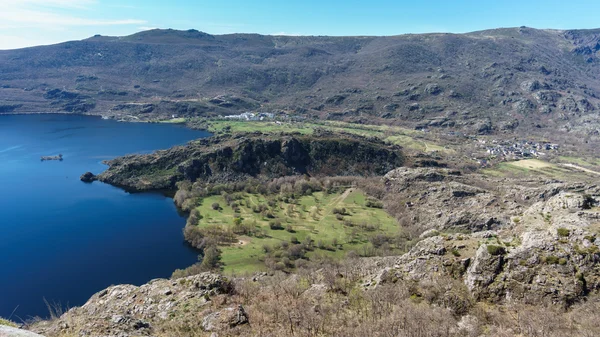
x=233 y=126
x=308 y=216
x=590 y=161
x=531 y=164
x=408 y=138
x=180 y=120
x=527 y=167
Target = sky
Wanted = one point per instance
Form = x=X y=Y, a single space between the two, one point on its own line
x=25 y=23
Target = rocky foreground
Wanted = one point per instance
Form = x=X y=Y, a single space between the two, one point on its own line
x=127 y=310
x=505 y=240
x=490 y=246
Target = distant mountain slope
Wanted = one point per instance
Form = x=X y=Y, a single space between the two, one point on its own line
x=495 y=80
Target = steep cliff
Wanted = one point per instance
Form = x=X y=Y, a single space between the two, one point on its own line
x=226 y=159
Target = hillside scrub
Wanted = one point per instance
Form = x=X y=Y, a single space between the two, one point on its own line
x=327 y=298
x=6 y=322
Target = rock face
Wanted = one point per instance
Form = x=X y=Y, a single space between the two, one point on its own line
x=225 y=159
x=548 y=254
x=487 y=264
x=438 y=198
x=226 y=318
x=127 y=310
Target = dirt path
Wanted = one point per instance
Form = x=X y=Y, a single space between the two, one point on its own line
x=343 y=196
x=581 y=168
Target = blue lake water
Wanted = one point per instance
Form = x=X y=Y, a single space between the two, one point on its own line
x=64 y=240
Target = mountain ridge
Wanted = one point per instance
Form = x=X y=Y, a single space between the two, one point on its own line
x=476 y=82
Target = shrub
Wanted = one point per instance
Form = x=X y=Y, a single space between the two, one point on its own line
x=194 y=236
x=551 y=259
x=455 y=252
x=588 y=201
x=296 y=252
x=247 y=228
x=7 y=323
x=290 y=229
x=496 y=250
x=216 y=206
x=209 y=235
x=308 y=242
x=211 y=259
x=194 y=217
x=563 y=232
x=369 y=227
x=339 y=211
x=294 y=240
x=562 y=261
x=275 y=225
x=301 y=263
x=279 y=266
x=374 y=203
x=339 y=217
x=379 y=240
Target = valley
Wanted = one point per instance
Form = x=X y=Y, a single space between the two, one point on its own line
x=412 y=185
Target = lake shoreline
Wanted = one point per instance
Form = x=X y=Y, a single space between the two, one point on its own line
x=94 y=235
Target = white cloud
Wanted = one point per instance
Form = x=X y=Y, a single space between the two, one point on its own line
x=31 y=18
x=285 y=34
x=52 y=14
x=14 y=42
x=25 y=23
x=48 y=3
x=123 y=6
x=146 y=28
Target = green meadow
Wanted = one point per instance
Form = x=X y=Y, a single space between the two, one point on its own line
x=315 y=216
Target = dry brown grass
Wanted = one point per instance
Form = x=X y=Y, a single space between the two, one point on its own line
x=326 y=299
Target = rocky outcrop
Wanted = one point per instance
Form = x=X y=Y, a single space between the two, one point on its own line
x=226 y=159
x=127 y=310
x=226 y=318
x=438 y=198
x=549 y=254
x=88 y=177
x=487 y=264
x=7 y=331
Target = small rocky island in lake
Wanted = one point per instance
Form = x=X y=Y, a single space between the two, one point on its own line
x=59 y=157
x=88 y=177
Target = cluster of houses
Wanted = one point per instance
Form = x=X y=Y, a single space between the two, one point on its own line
x=520 y=149
x=252 y=116
x=514 y=150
